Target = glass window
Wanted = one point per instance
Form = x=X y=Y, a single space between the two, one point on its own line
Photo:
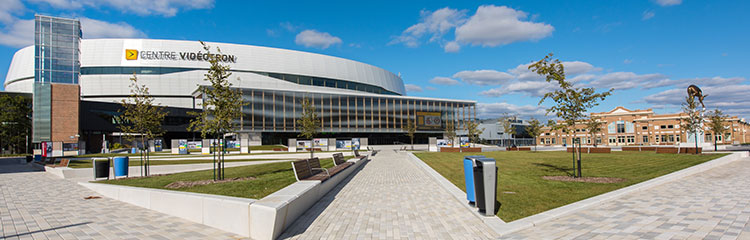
x=645 y=139
x=620 y=128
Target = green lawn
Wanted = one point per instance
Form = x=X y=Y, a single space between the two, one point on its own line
x=269 y=178
x=522 y=192
x=87 y=163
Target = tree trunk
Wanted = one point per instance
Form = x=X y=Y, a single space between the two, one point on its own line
x=579 y=159
x=716 y=148
x=696 y=142
x=412 y=143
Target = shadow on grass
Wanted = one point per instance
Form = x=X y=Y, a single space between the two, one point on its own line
x=304 y=221
x=557 y=169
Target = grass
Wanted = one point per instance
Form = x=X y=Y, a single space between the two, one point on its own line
x=132 y=163
x=522 y=192
x=269 y=178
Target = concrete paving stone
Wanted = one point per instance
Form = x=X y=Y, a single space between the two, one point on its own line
x=708 y=205
x=389 y=198
x=38 y=205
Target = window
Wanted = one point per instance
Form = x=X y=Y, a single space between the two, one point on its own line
x=631 y=139
x=708 y=138
x=644 y=128
x=645 y=139
x=611 y=139
x=671 y=138
x=565 y=141
x=598 y=140
x=553 y=141
x=663 y=126
x=620 y=139
x=670 y=126
x=728 y=137
x=663 y=138
x=620 y=128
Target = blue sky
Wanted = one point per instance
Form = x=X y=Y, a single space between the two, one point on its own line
x=649 y=50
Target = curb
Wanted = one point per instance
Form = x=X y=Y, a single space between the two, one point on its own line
x=552 y=214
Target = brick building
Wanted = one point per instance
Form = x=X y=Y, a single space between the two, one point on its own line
x=622 y=126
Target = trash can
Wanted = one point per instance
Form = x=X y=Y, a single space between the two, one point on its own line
x=469 y=177
x=29 y=158
x=101 y=168
x=37 y=158
x=121 y=166
x=133 y=150
x=485 y=185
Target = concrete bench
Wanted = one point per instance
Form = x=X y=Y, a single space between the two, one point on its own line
x=449 y=149
x=270 y=216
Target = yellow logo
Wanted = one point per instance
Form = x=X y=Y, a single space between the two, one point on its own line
x=131 y=54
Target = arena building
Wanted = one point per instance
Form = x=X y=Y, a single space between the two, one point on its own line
x=78 y=84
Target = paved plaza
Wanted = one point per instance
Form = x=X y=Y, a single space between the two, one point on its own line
x=389 y=198
x=711 y=205
x=38 y=205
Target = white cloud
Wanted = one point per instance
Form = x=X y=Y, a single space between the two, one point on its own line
x=701 y=82
x=19 y=33
x=483 y=77
x=412 y=88
x=666 y=3
x=430 y=88
x=452 y=47
x=648 y=14
x=627 y=61
x=435 y=24
x=494 y=26
x=495 y=110
x=313 y=38
x=532 y=88
x=167 y=8
x=444 y=81
x=626 y=80
x=572 y=68
x=100 y=29
x=8 y=8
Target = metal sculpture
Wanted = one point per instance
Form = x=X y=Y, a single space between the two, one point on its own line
x=694 y=91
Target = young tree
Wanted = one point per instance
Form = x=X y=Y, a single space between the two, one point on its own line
x=309 y=123
x=410 y=128
x=222 y=105
x=15 y=123
x=716 y=124
x=507 y=123
x=694 y=120
x=141 y=119
x=571 y=103
x=473 y=131
x=594 y=126
x=534 y=129
x=450 y=131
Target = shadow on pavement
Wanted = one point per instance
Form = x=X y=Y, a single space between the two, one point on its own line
x=13 y=165
x=303 y=222
x=44 y=230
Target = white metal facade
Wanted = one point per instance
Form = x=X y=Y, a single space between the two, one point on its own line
x=175 y=89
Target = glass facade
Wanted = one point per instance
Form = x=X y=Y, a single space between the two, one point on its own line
x=56 y=60
x=277 y=111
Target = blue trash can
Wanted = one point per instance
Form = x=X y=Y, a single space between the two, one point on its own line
x=469 y=163
x=133 y=150
x=121 y=166
x=37 y=158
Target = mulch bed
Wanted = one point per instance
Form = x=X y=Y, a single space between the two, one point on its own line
x=187 y=184
x=584 y=179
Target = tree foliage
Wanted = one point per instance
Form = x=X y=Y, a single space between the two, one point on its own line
x=506 y=121
x=410 y=129
x=450 y=131
x=534 y=129
x=15 y=122
x=473 y=131
x=716 y=120
x=309 y=123
x=141 y=118
x=222 y=105
x=594 y=127
x=571 y=103
x=693 y=122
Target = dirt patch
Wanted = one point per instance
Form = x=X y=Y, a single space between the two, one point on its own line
x=187 y=184
x=584 y=179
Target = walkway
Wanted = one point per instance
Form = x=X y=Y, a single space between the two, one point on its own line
x=389 y=198
x=709 y=205
x=38 y=205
